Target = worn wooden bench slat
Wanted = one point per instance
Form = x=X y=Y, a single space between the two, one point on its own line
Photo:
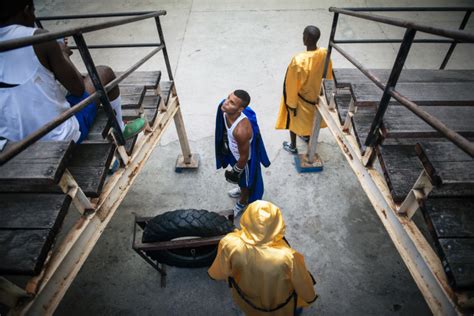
x=32 y=211
x=166 y=87
x=23 y=251
x=89 y=166
x=132 y=96
x=40 y=165
x=450 y=93
x=402 y=167
x=344 y=77
x=458 y=261
x=28 y=224
x=399 y=122
x=149 y=79
x=450 y=217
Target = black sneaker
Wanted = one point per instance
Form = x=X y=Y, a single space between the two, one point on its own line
x=288 y=148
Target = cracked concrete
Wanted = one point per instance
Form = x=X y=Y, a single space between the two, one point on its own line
x=216 y=47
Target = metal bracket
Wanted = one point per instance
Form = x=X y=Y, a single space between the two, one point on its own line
x=11 y=293
x=332 y=102
x=69 y=186
x=417 y=194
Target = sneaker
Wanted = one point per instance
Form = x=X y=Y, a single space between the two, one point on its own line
x=288 y=148
x=239 y=209
x=234 y=193
x=134 y=127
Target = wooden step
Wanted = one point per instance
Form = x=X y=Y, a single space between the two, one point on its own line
x=28 y=225
x=450 y=217
x=166 y=87
x=449 y=165
x=458 y=261
x=399 y=122
x=149 y=79
x=430 y=94
x=89 y=166
x=344 y=77
x=402 y=167
x=132 y=96
x=37 y=169
x=150 y=105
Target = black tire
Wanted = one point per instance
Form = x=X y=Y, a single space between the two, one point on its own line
x=186 y=223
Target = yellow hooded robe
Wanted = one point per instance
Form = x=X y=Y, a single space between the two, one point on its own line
x=266 y=269
x=301 y=91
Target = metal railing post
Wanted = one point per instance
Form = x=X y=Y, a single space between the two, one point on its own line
x=331 y=39
x=165 y=51
x=99 y=87
x=373 y=135
x=453 y=45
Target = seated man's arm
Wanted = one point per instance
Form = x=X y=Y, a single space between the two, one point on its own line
x=55 y=57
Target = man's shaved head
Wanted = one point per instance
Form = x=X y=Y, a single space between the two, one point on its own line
x=311 y=35
x=244 y=96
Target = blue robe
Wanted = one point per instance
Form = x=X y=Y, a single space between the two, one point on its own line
x=257 y=147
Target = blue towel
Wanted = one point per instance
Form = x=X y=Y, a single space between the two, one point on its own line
x=257 y=147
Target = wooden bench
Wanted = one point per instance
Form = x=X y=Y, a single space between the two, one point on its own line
x=28 y=226
x=422 y=93
x=451 y=223
x=37 y=169
x=345 y=77
x=402 y=166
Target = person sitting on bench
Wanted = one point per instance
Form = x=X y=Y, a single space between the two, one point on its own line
x=267 y=276
x=30 y=96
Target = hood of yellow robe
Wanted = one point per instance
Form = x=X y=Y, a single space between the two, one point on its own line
x=262 y=224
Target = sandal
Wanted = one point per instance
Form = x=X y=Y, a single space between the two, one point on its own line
x=288 y=148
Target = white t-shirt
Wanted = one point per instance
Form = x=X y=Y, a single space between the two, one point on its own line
x=37 y=98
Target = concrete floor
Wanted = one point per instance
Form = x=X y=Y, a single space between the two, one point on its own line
x=216 y=47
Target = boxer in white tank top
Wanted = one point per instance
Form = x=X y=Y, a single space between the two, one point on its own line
x=239 y=136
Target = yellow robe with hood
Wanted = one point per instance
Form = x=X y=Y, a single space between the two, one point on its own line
x=302 y=84
x=263 y=265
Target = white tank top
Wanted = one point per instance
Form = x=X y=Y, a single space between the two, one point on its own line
x=233 y=147
x=37 y=98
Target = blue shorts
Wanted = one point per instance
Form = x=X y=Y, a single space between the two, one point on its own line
x=244 y=178
x=85 y=117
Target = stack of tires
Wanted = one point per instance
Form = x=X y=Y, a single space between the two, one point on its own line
x=186 y=223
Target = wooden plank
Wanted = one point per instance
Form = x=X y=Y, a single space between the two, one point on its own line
x=450 y=217
x=344 y=77
x=401 y=167
x=149 y=79
x=40 y=165
x=458 y=261
x=23 y=251
x=33 y=211
x=448 y=164
x=401 y=122
x=132 y=96
x=89 y=166
x=166 y=87
x=150 y=104
x=450 y=93
x=342 y=106
x=99 y=125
